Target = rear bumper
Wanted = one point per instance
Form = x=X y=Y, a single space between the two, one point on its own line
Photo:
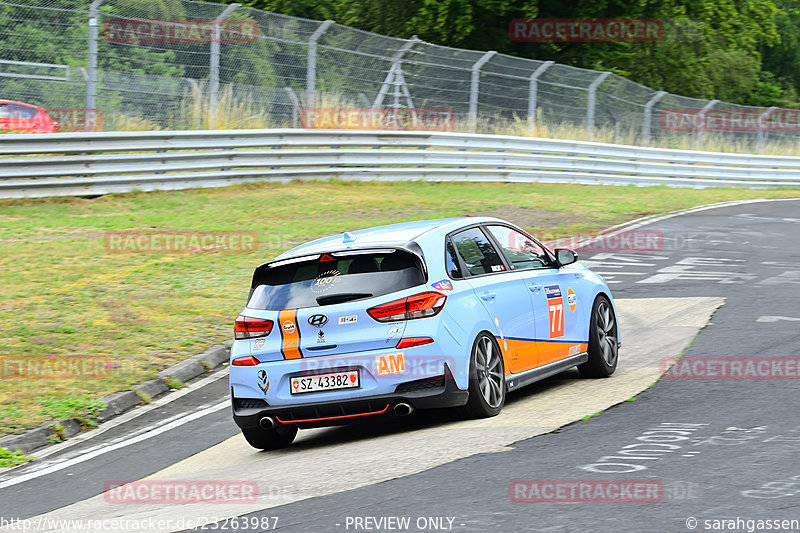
x=427 y=393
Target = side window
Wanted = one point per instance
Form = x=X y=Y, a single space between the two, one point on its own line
x=451 y=261
x=477 y=252
x=521 y=251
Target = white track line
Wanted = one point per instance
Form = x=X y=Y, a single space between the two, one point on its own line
x=130 y=415
x=119 y=445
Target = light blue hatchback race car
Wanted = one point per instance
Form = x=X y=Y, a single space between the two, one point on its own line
x=436 y=313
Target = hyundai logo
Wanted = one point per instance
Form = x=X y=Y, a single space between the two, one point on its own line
x=318 y=320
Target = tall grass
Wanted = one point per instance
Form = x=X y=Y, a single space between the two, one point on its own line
x=233 y=111
x=242 y=110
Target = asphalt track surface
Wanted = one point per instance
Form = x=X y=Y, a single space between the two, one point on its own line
x=735 y=458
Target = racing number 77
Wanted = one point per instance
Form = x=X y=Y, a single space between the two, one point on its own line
x=556 y=308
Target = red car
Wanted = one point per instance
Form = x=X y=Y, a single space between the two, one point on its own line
x=26 y=118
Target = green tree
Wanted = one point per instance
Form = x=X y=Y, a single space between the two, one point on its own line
x=710 y=49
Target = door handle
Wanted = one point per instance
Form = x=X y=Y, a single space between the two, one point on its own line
x=488 y=296
x=534 y=288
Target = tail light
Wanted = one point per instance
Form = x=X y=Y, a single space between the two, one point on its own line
x=245 y=361
x=247 y=327
x=420 y=305
x=410 y=342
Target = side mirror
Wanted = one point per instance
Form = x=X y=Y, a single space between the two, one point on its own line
x=565 y=256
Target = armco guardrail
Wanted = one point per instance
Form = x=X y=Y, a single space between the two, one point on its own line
x=77 y=164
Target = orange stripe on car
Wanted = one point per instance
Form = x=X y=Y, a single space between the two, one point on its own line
x=290 y=334
x=520 y=355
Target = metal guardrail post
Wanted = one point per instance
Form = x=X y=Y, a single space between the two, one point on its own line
x=590 y=104
x=91 y=84
x=702 y=115
x=648 y=113
x=311 y=62
x=295 y=105
x=473 y=88
x=213 y=72
x=533 y=90
x=762 y=131
x=197 y=102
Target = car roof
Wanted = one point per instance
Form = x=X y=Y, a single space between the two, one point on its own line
x=391 y=235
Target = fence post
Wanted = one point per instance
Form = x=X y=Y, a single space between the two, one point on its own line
x=590 y=105
x=91 y=84
x=762 y=132
x=473 y=89
x=213 y=75
x=699 y=132
x=311 y=63
x=648 y=113
x=533 y=89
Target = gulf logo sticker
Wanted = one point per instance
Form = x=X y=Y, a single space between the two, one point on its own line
x=290 y=334
x=572 y=299
x=555 y=307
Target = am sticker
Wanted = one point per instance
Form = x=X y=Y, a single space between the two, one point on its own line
x=390 y=363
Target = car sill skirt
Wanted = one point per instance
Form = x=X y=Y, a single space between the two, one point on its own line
x=515 y=381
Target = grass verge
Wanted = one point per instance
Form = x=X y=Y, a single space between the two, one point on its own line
x=120 y=318
x=9 y=458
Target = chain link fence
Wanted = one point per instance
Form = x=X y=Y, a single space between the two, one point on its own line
x=179 y=64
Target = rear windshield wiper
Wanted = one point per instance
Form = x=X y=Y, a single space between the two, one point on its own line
x=343 y=297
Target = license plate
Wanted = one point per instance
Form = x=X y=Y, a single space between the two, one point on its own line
x=321 y=382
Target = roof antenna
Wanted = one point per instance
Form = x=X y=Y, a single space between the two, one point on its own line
x=349 y=237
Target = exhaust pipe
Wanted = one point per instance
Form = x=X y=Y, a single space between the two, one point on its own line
x=268 y=423
x=403 y=409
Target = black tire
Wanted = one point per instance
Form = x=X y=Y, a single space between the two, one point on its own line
x=270 y=439
x=603 y=341
x=483 y=379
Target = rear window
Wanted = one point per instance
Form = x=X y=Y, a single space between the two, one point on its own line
x=334 y=278
x=17 y=111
